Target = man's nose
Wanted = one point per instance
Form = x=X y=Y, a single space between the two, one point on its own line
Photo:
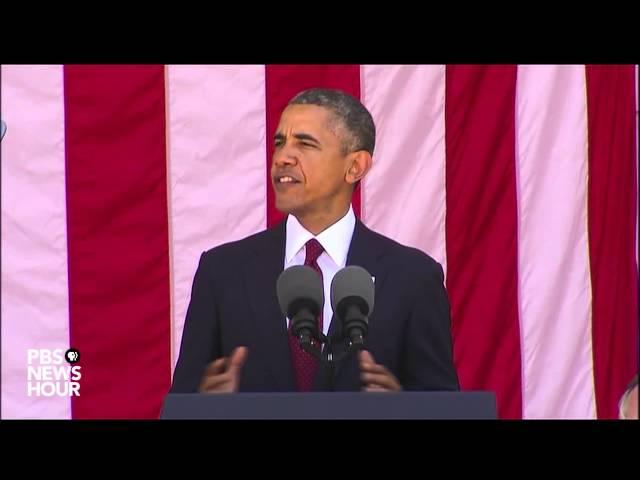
x=284 y=156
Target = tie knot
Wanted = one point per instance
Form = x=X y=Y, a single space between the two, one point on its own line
x=313 y=251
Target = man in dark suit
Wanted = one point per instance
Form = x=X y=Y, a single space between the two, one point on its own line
x=235 y=336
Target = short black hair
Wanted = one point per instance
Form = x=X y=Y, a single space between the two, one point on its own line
x=354 y=116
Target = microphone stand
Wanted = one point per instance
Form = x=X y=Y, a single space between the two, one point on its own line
x=330 y=360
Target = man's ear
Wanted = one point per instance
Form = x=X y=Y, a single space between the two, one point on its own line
x=359 y=165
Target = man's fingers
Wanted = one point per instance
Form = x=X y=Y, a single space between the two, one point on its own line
x=222 y=375
x=236 y=362
x=215 y=382
x=216 y=367
x=373 y=368
x=374 y=376
x=223 y=364
x=374 y=388
x=368 y=363
x=366 y=357
x=380 y=379
x=238 y=358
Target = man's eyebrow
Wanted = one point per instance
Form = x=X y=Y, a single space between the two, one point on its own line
x=306 y=137
x=299 y=136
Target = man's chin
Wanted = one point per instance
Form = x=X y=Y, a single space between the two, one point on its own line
x=286 y=208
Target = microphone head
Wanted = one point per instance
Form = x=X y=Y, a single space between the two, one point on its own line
x=299 y=287
x=352 y=283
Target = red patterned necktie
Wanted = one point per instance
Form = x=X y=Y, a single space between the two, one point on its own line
x=305 y=365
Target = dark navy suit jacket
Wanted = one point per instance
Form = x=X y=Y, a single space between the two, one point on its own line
x=234 y=303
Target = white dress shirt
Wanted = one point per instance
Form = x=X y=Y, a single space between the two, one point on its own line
x=335 y=240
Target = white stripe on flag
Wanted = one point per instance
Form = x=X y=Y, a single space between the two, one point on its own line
x=35 y=300
x=554 y=283
x=403 y=196
x=216 y=153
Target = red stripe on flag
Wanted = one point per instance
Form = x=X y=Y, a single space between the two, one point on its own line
x=285 y=81
x=481 y=230
x=118 y=238
x=612 y=222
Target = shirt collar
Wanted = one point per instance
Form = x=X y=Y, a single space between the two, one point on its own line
x=335 y=240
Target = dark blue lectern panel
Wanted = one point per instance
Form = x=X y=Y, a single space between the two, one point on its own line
x=332 y=406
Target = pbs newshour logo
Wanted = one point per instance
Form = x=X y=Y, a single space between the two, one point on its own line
x=53 y=373
x=72 y=355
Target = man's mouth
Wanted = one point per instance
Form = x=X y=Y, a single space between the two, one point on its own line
x=285 y=180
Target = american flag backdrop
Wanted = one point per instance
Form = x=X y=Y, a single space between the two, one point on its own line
x=519 y=179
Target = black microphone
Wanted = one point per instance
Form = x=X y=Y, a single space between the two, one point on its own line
x=352 y=294
x=301 y=297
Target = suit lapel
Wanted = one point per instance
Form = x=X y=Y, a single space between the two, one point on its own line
x=261 y=273
x=366 y=250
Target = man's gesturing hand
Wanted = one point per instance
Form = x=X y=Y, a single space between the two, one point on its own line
x=376 y=377
x=223 y=374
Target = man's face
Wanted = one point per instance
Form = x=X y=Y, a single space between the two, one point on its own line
x=308 y=168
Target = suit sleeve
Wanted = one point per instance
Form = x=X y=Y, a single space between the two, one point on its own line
x=428 y=353
x=199 y=344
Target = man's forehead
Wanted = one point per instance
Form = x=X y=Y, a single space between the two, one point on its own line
x=304 y=116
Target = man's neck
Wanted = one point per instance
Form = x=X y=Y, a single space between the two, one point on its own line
x=317 y=222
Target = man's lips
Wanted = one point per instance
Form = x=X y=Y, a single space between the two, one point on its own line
x=285 y=179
